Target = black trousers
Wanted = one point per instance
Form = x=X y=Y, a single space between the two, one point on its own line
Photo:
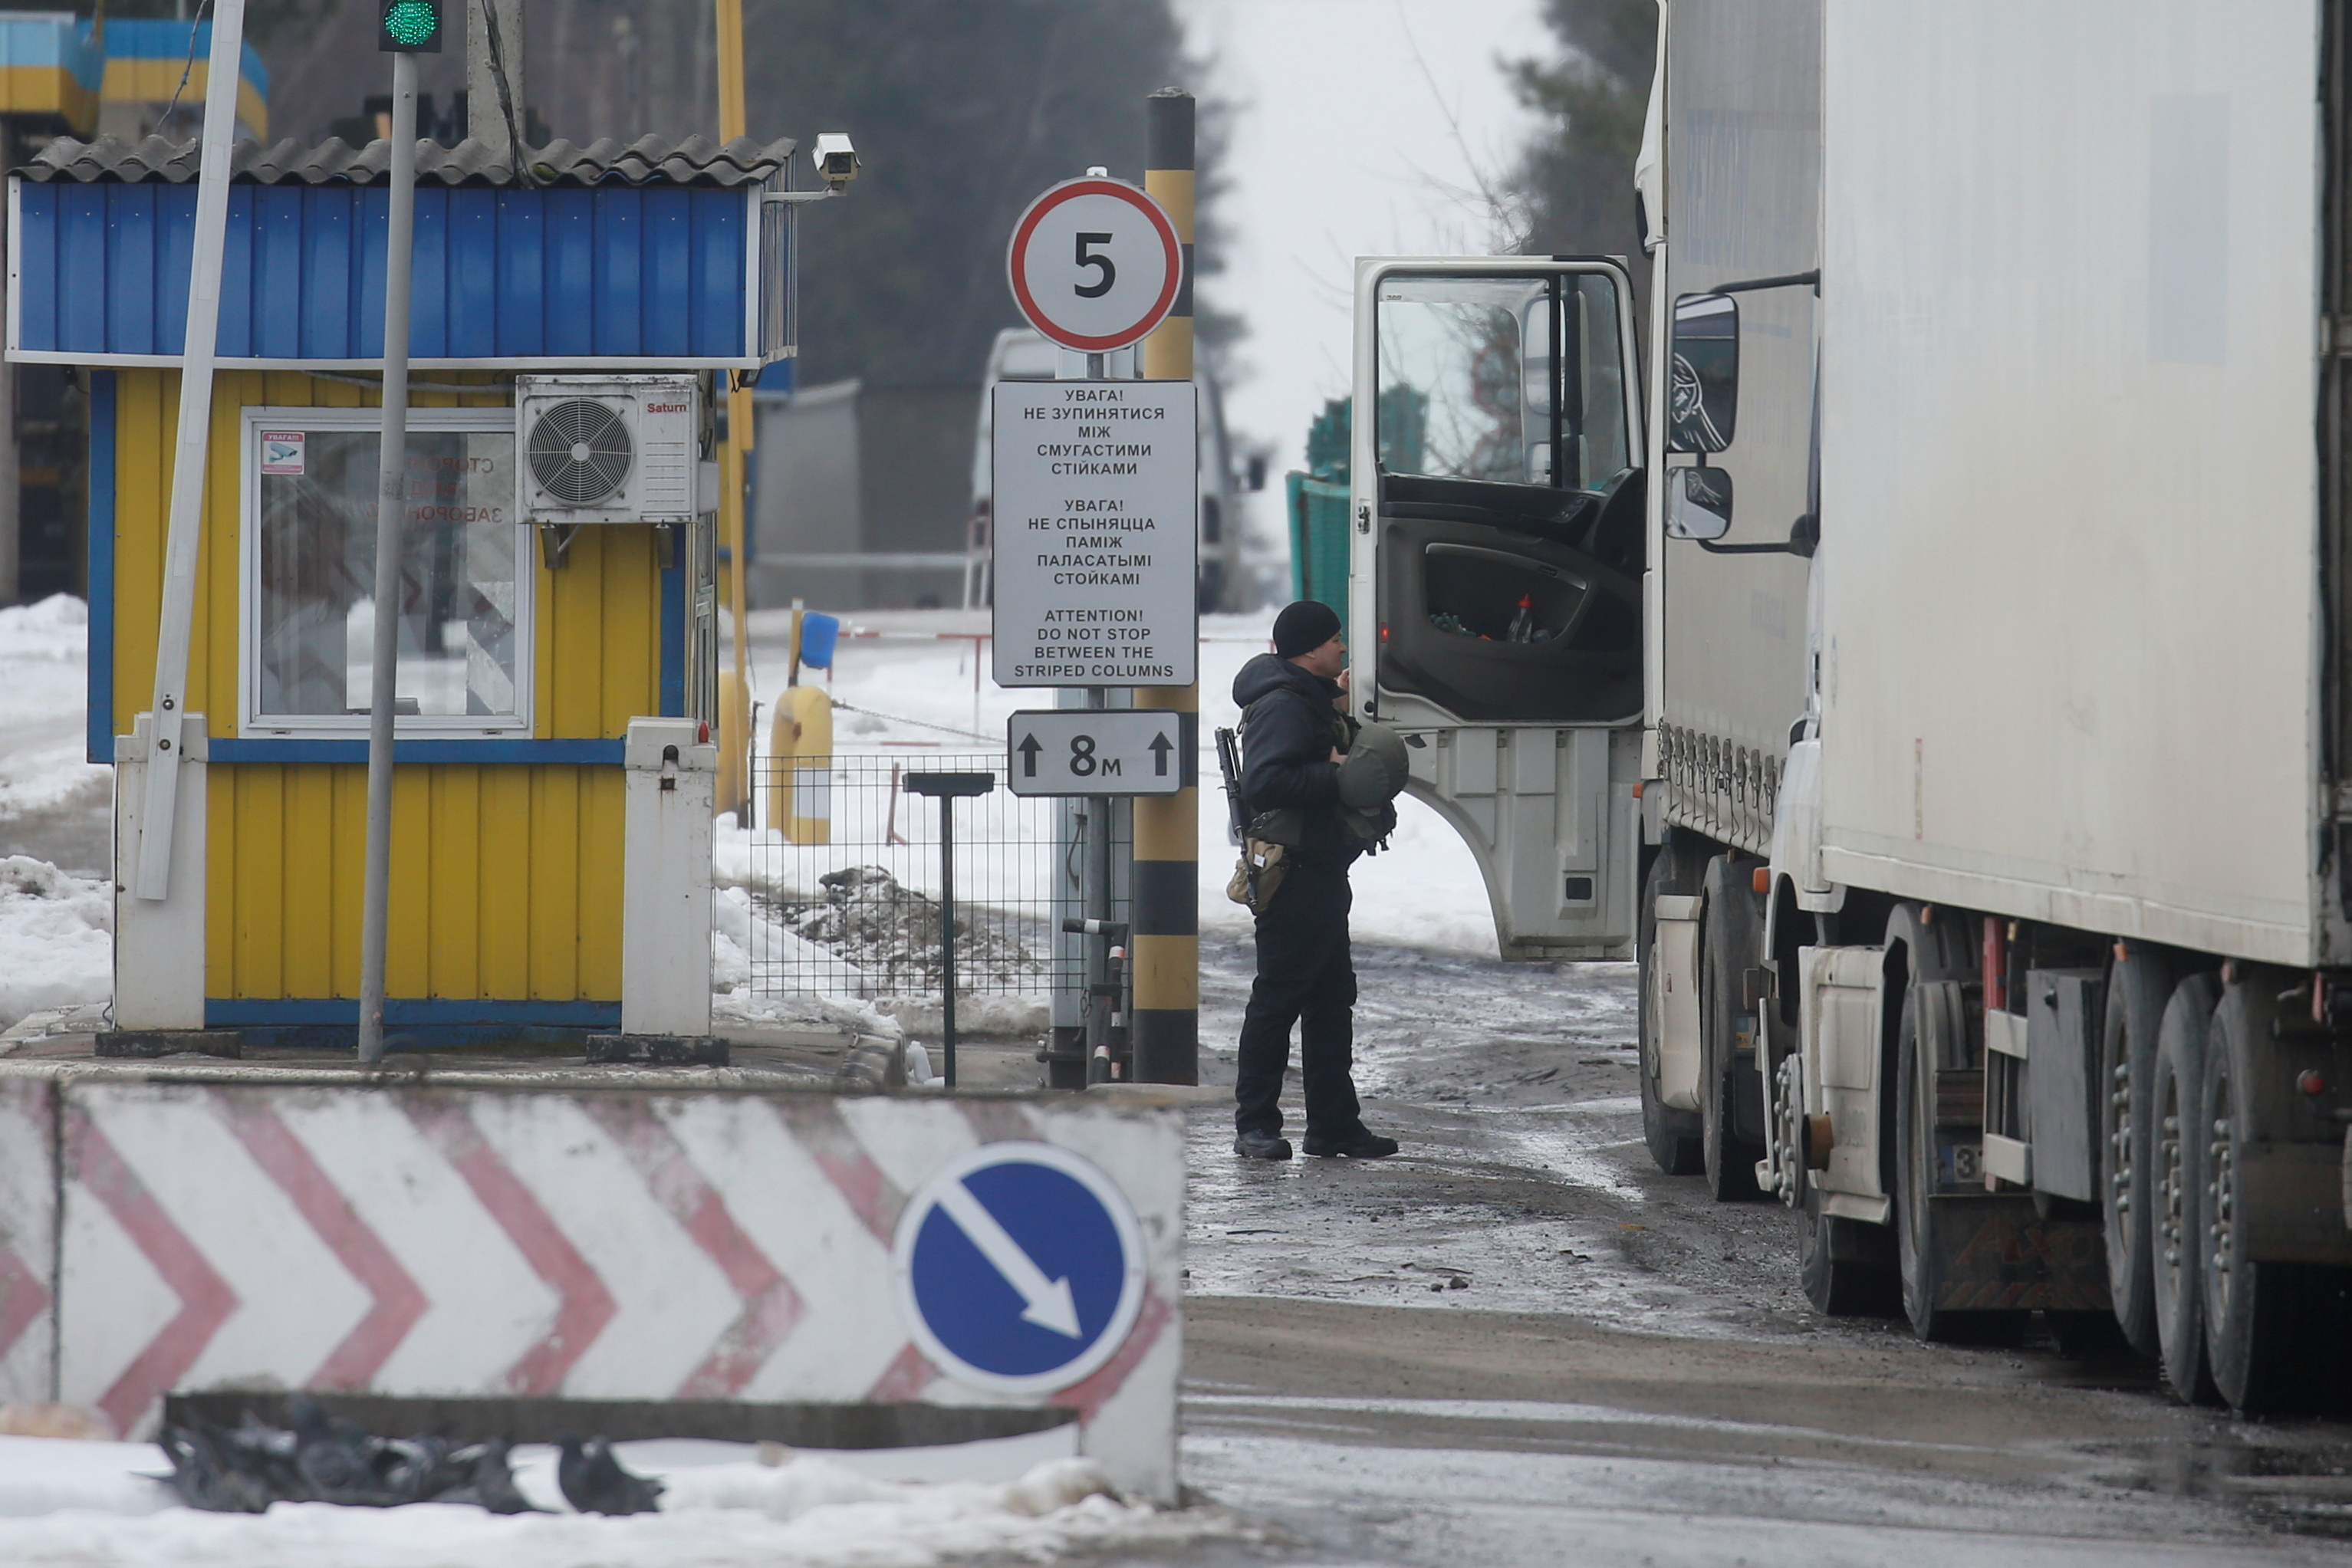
x=1304 y=976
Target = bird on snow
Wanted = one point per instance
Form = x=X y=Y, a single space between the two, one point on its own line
x=336 y=1460
x=207 y=1474
x=480 y=1474
x=593 y=1482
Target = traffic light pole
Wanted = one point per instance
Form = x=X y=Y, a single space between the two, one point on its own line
x=391 y=514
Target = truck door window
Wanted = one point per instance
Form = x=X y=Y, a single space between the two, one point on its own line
x=1512 y=380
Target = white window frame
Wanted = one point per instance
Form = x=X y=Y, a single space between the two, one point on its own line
x=251 y=721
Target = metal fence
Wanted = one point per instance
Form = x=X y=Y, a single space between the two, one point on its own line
x=856 y=914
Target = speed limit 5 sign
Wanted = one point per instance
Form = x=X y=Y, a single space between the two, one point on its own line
x=1095 y=264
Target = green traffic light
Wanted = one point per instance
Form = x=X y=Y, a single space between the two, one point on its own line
x=411 y=23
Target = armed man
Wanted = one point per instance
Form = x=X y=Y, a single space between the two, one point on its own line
x=1315 y=793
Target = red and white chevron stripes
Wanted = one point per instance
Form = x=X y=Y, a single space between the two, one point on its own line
x=214 y=1233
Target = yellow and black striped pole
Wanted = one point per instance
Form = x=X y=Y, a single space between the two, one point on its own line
x=1165 y=1029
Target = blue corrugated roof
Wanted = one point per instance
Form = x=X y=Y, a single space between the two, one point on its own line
x=571 y=274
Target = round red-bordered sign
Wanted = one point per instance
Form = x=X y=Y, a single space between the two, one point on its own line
x=1095 y=264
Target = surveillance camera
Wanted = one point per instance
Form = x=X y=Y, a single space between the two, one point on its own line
x=837 y=159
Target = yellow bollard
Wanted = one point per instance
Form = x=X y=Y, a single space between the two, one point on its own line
x=800 y=777
x=733 y=792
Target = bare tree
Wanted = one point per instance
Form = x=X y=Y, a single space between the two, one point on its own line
x=1577 y=176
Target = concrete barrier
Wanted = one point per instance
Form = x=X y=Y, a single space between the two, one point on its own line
x=208 y=1228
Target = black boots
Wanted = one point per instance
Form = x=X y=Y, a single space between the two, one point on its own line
x=1261 y=1146
x=1359 y=1144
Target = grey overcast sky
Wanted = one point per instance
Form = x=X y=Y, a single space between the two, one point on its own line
x=1359 y=124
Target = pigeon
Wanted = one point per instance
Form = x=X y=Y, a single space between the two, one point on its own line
x=480 y=1474
x=323 y=1459
x=205 y=1476
x=337 y=1461
x=411 y=1469
x=593 y=1482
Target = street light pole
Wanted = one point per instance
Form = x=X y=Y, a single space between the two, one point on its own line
x=391 y=514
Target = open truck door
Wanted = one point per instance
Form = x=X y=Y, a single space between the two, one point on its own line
x=1498 y=531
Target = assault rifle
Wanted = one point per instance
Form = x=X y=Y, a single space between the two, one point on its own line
x=1229 y=762
x=1237 y=816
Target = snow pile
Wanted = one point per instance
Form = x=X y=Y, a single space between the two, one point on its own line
x=991 y=1013
x=81 y=1503
x=56 y=938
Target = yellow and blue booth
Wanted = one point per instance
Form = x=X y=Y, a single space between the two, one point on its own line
x=538 y=666
x=68 y=74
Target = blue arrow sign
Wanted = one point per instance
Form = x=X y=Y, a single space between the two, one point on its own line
x=1020 y=1267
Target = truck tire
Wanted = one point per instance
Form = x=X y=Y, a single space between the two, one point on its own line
x=2275 y=1333
x=1846 y=1268
x=2137 y=987
x=1731 y=942
x=2176 y=1175
x=1673 y=1136
x=1918 y=1222
x=1916 y=1181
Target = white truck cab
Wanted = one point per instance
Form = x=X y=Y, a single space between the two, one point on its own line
x=1499 y=530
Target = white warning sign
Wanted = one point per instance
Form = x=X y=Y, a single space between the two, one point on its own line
x=283 y=451
x=1096 y=544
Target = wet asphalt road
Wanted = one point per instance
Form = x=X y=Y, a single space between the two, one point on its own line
x=1517 y=1343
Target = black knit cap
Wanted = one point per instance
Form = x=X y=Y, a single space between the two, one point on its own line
x=1302 y=627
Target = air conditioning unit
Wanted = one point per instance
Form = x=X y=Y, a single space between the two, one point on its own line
x=610 y=449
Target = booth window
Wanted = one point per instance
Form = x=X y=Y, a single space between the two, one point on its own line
x=311 y=598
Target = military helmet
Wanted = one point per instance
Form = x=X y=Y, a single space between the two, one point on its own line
x=1376 y=768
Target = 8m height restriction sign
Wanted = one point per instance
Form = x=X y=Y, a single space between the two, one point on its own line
x=1097 y=492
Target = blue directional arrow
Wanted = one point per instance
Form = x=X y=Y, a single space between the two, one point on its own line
x=1018 y=1268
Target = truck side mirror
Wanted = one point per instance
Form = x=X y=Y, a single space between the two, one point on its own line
x=1703 y=406
x=1698 y=505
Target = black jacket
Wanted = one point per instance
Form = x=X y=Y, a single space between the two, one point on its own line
x=1290 y=723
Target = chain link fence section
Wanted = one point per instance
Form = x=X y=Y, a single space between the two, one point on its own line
x=857 y=917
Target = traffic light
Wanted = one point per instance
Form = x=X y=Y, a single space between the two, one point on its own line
x=409 y=26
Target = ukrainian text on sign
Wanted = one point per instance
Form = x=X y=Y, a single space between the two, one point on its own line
x=1096 y=545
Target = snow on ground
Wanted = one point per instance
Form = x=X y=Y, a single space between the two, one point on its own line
x=57 y=943
x=917 y=683
x=43 y=697
x=83 y=1504
x=56 y=938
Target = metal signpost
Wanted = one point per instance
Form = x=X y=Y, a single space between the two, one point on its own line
x=945 y=787
x=1096 y=543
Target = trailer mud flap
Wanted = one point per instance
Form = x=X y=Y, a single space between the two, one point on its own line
x=1997 y=1254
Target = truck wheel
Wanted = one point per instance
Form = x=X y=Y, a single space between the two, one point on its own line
x=1916 y=1181
x=2275 y=1333
x=1673 y=1136
x=1919 y=1163
x=2137 y=987
x=2176 y=1174
x=1846 y=1266
x=1732 y=941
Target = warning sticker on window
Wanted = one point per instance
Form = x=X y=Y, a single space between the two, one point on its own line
x=281 y=451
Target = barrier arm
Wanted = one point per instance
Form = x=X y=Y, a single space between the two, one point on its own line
x=153 y=877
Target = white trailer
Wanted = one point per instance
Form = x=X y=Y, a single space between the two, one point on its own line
x=2074 y=784
x=1994 y=769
